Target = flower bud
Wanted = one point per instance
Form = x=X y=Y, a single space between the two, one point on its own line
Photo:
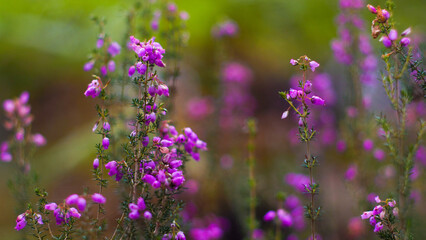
x=393 y=35
x=105 y=143
x=98 y=198
x=385 y=14
x=317 y=101
x=308 y=87
x=386 y=41
x=405 y=41
x=132 y=70
x=372 y=9
x=96 y=163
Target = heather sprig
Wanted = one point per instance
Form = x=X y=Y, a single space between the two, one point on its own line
x=300 y=101
x=19 y=149
x=384 y=218
x=398 y=59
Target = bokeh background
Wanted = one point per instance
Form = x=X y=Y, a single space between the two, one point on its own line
x=44 y=44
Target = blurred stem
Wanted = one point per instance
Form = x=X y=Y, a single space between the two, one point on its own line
x=251 y=125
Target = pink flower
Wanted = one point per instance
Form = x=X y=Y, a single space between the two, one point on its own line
x=367 y=215
x=313 y=65
x=269 y=216
x=378 y=227
x=39 y=140
x=98 y=198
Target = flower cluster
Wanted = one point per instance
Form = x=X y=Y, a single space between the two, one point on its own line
x=163 y=169
x=114 y=169
x=18 y=117
x=135 y=210
x=291 y=216
x=383 y=215
x=227 y=28
x=94 y=88
x=237 y=102
x=380 y=25
x=351 y=37
x=64 y=212
x=213 y=230
x=171 y=12
x=5 y=155
x=150 y=52
x=302 y=95
x=105 y=51
x=21 y=220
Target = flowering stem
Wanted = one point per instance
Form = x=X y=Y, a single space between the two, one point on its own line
x=310 y=162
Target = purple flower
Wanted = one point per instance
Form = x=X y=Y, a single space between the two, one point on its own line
x=377 y=209
x=50 y=206
x=372 y=9
x=134 y=215
x=100 y=42
x=367 y=215
x=20 y=134
x=98 y=198
x=107 y=126
x=111 y=66
x=317 y=101
x=88 y=66
x=341 y=145
x=39 y=219
x=96 y=163
x=132 y=70
x=377 y=199
x=392 y=203
x=105 y=143
x=141 y=67
x=313 y=65
x=21 y=222
x=406 y=32
x=184 y=15
x=368 y=145
x=141 y=203
x=72 y=199
x=373 y=221
x=74 y=213
x=405 y=41
x=393 y=35
x=93 y=89
x=307 y=87
x=293 y=62
x=114 y=49
x=38 y=140
x=298 y=181
x=8 y=106
x=147 y=215
x=180 y=236
x=378 y=227
x=284 y=217
x=81 y=204
x=385 y=14
x=379 y=154
x=386 y=41
x=6 y=157
x=269 y=216
x=351 y=172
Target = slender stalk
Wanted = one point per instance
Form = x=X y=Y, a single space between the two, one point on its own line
x=310 y=163
x=251 y=124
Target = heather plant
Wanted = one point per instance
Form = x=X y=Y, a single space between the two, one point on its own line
x=300 y=101
x=19 y=149
x=398 y=59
